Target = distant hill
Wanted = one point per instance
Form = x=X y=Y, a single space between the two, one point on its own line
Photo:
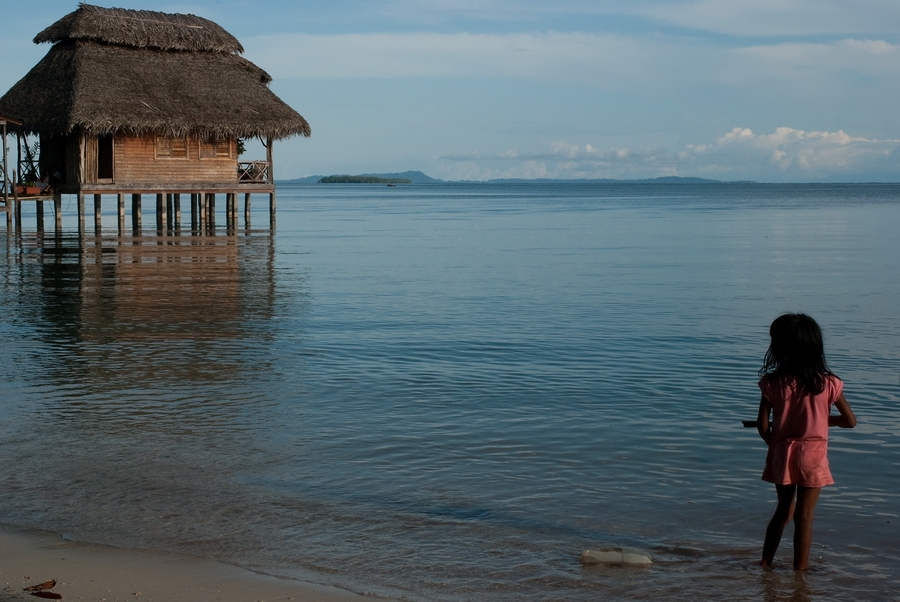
x=414 y=177
x=306 y=180
x=417 y=177
x=344 y=179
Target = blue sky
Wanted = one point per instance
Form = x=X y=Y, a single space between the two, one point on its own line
x=767 y=90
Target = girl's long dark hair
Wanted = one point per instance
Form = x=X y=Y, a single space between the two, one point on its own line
x=797 y=352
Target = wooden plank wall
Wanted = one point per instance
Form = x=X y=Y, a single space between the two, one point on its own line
x=90 y=159
x=136 y=163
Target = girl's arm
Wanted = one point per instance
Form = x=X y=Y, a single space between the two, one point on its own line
x=762 y=419
x=846 y=419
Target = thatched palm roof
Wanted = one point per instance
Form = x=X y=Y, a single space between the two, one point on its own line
x=144 y=71
x=141 y=29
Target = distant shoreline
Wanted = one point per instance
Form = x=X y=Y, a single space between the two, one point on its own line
x=417 y=177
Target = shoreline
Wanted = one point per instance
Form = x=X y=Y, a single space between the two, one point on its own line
x=85 y=571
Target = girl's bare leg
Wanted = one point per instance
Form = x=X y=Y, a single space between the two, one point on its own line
x=807 y=497
x=784 y=512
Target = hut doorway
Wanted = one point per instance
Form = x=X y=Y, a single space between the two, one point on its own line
x=105 y=158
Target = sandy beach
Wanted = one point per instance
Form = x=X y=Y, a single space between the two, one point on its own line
x=107 y=574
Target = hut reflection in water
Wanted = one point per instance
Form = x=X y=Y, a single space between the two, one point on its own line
x=146 y=312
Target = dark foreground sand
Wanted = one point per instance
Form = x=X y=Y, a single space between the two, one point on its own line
x=91 y=572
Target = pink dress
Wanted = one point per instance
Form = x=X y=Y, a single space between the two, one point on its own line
x=798 y=450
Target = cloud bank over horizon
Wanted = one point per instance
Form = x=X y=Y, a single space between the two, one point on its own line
x=786 y=154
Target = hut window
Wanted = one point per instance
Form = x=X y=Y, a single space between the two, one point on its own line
x=171 y=148
x=215 y=148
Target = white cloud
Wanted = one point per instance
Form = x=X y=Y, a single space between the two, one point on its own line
x=794 y=152
x=787 y=154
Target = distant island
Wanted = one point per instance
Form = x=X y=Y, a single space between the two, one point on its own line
x=414 y=177
x=345 y=179
x=417 y=177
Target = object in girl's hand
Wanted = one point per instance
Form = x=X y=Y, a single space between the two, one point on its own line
x=749 y=424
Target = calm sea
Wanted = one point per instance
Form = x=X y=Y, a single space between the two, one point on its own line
x=448 y=392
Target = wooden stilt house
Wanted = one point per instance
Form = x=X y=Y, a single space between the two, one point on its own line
x=134 y=101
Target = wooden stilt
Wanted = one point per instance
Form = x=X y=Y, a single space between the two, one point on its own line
x=7 y=181
x=136 y=213
x=271 y=180
x=120 y=209
x=19 y=217
x=232 y=210
x=176 y=202
x=194 y=209
x=39 y=209
x=211 y=200
x=247 y=209
x=165 y=215
x=97 y=213
x=57 y=211
x=160 y=214
x=80 y=204
x=170 y=211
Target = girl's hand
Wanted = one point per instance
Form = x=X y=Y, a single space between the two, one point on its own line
x=847 y=418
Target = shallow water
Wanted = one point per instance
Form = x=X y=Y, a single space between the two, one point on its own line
x=447 y=392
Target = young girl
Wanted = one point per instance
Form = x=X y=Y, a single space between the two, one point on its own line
x=798 y=391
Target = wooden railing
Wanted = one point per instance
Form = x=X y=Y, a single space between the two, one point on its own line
x=253 y=171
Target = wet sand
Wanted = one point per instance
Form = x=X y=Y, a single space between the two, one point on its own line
x=107 y=574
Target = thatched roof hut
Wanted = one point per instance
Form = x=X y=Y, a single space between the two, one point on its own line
x=114 y=70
